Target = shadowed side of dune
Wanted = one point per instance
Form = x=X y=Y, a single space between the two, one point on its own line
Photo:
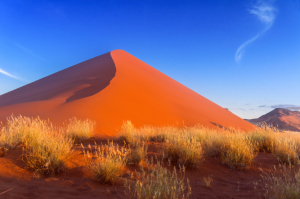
x=80 y=81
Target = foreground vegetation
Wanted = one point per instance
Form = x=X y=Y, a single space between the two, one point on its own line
x=156 y=181
x=189 y=146
x=47 y=148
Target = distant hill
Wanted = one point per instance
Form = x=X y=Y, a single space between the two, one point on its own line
x=283 y=119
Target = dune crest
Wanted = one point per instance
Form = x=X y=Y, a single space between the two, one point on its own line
x=112 y=88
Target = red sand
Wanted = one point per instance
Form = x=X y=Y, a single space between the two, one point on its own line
x=112 y=88
x=78 y=182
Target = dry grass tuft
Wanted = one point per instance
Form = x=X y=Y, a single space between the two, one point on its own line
x=208 y=181
x=128 y=134
x=14 y=132
x=45 y=148
x=80 y=130
x=188 y=146
x=137 y=154
x=235 y=150
x=107 y=162
x=283 y=182
x=287 y=150
x=158 y=182
x=184 y=149
x=264 y=139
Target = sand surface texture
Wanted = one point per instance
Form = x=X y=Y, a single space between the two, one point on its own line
x=78 y=182
x=112 y=88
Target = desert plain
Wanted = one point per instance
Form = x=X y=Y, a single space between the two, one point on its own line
x=145 y=113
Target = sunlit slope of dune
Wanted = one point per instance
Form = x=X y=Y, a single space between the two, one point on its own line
x=112 y=88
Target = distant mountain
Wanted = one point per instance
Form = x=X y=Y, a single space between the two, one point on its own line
x=283 y=119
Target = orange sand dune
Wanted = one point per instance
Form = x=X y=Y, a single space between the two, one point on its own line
x=112 y=88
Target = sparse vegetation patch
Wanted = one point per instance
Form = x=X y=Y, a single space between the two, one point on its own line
x=107 y=161
x=282 y=182
x=80 y=130
x=156 y=181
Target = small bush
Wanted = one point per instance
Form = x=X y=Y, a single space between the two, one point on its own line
x=47 y=155
x=235 y=150
x=207 y=137
x=106 y=162
x=137 y=154
x=80 y=130
x=13 y=133
x=158 y=183
x=283 y=182
x=156 y=134
x=46 y=148
x=286 y=151
x=264 y=140
x=131 y=135
x=128 y=134
x=184 y=149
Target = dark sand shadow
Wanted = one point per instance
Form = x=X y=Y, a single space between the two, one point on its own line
x=94 y=74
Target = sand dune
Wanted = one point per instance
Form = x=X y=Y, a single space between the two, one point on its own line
x=112 y=88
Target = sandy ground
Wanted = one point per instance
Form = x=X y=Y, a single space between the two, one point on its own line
x=113 y=88
x=78 y=182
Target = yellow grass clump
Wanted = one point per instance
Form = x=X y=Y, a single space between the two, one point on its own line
x=137 y=154
x=107 y=161
x=264 y=139
x=80 y=130
x=287 y=149
x=128 y=134
x=184 y=149
x=188 y=145
x=46 y=148
x=156 y=181
x=283 y=182
x=14 y=132
x=235 y=150
x=131 y=135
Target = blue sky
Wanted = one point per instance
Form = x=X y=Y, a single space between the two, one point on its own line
x=242 y=55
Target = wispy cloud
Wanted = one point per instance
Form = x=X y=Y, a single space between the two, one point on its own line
x=266 y=14
x=8 y=74
x=28 y=51
x=285 y=106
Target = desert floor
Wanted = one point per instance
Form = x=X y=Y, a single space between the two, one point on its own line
x=78 y=182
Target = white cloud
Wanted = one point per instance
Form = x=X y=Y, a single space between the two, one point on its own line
x=8 y=74
x=266 y=14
